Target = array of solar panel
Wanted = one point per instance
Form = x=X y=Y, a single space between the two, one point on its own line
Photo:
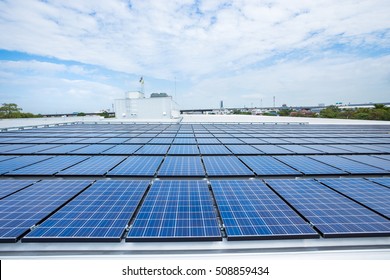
x=333 y=214
x=267 y=165
x=26 y=208
x=243 y=150
x=225 y=166
x=250 y=210
x=183 y=150
x=97 y=165
x=122 y=150
x=153 y=150
x=309 y=166
x=182 y=166
x=137 y=166
x=8 y=187
x=371 y=160
x=370 y=194
x=19 y=162
x=350 y=166
x=100 y=213
x=176 y=210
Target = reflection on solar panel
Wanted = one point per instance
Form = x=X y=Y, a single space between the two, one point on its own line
x=101 y=213
x=225 y=166
x=122 y=150
x=49 y=167
x=10 y=186
x=96 y=165
x=243 y=150
x=181 y=166
x=330 y=212
x=272 y=149
x=266 y=165
x=63 y=149
x=382 y=181
x=19 y=162
x=153 y=150
x=176 y=210
x=183 y=150
x=213 y=150
x=250 y=210
x=308 y=166
x=367 y=193
x=24 y=209
x=137 y=166
x=350 y=166
x=94 y=149
x=370 y=160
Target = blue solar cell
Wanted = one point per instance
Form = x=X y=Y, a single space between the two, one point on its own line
x=94 y=149
x=160 y=140
x=224 y=140
x=96 y=165
x=100 y=213
x=8 y=187
x=31 y=149
x=214 y=150
x=183 y=150
x=266 y=165
x=250 y=210
x=309 y=166
x=176 y=210
x=49 y=167
x=354 y=148
x=153 y=150
x=333 y=214
x=350 y=166
x=137 y=166
x=376 y=149
x=93 y=140
x=370 y=160
x=182 y=166
x=114 y=141
x=225 y=166
x=243 y=150
x=138 y=140
x=302 y=150
x=272 y=150
x=365 y=192
x=384 y=181
x=3 y=158
x=122 y=150
x=19 y=162
x=26 y=208
x=63 y=149
x=328 y=149
x=187 y=141
x=13 y=147
x=202 y=141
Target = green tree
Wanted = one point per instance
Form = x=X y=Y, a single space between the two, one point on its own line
x=330 y=112
x=10 y=110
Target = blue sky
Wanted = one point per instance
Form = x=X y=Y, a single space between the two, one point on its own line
x=66 y=56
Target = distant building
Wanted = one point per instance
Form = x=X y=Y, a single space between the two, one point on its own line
x=136 y=106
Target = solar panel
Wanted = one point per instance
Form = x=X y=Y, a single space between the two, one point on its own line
x=93 y=149
x=365 y=192
x=230 y=140
x=114 y=141
x=374 y=149
x=138 y=140
x=213 y=150
x=96 y=165
x=250 y=210
x=187 y=141
x=13 y=147
x=137 y=166
x=182 y=166
x=122 y=150
x=93 y=140
x=201 y=141
x=161 y=141
x=183 y=150
x=350 y=166
x=19 y=162
x=309 y=166
x=100 y=213
x=225 y=166
x=243 y=150
x=48 y=167
x=63 y=149
x=3 y=158
x=370 y=160
x=384 y=181
x=24 y=209
x=176 y=210
x=354 y=149
x=272 y=149
x=8 y=187
x=300 y=149
x=331 y=213
x=153 y=150
x=266 y=165
x=327 y=149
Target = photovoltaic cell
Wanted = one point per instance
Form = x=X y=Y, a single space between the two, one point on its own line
x=153 y=150
x=350 y=166
x=225 y=166
x=267 y=165
x=243 y=150
x=309 y=166
x=176 y=210
x=367 y=193
x=122 y=150
x=31 y=149
x=182 y=166
x=385 y=181
x=26 y=208
x=19 y=162
x=272 y=149
x=63 y=149
x=100 y=213
x=250 y=210
x=93 y=149
x=137 y=166
x=213 y=150
x=96 y=165
x=13 y=147
x=333 y=214
x=370 y=160
x=299 y=149
x=49 y=167
x=3 y=158
x=10 y=186
x=183 y=150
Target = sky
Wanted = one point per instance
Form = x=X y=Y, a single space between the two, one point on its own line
x=78 y=56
